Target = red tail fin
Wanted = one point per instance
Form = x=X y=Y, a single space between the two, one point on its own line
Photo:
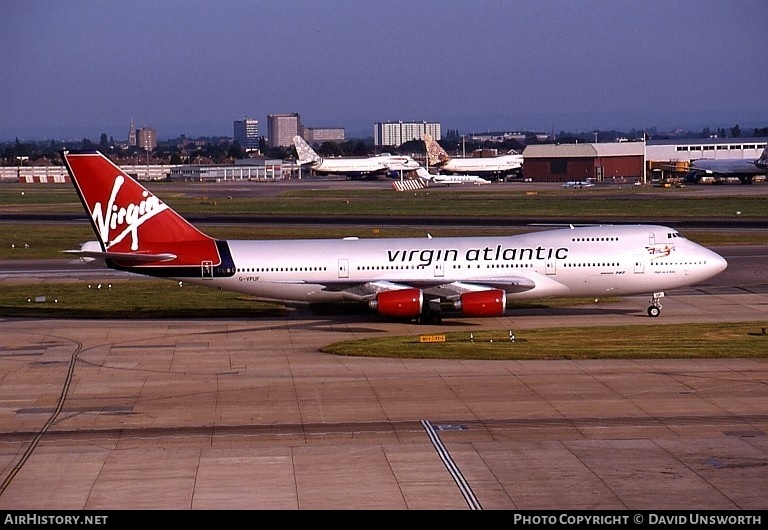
x=129 y=219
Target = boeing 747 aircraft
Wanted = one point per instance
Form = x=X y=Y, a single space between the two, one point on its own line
x=409 y=278
x=384 y=164
x=495 y=166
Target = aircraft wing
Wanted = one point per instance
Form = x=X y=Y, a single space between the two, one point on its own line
x=449 y=291
x=366 y=291
x=511 y=284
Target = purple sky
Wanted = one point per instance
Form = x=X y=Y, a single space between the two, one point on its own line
x=82 y=67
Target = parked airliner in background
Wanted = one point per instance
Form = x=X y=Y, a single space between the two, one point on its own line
x=410 y=278
x=496 y=166
x=384 y=164
x=720 y=169
x=447 y=180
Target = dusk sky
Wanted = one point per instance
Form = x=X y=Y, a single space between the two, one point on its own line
x=80 y=68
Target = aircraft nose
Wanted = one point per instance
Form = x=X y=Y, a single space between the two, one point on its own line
x=721 y=263
x=717 y=263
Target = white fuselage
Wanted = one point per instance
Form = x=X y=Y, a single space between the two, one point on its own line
x=448 y=179
x=588 y=261
x=374 y=164
x=732 y=166
x=498 y=164
x=727 y=167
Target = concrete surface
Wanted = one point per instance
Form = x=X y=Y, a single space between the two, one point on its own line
x=211 y=414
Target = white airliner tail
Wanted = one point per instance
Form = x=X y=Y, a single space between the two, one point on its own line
x=423 y=174
x=307 y=155
x=436 y=155
x=762 y=162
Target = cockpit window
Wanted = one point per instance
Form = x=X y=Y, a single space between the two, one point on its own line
x=671 y=235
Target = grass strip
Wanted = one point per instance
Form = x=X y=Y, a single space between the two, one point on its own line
x=662 y=341
x=134 y=299
x=156 y=299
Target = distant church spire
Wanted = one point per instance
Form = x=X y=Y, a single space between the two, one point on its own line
x=132 y=134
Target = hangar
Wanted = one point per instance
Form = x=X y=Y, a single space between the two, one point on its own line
x=619 y=162
x=612 y=162
x=705 y=148
x=673 y=159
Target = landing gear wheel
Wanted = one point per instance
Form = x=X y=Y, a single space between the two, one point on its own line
x=430 y=317
x=654 y=309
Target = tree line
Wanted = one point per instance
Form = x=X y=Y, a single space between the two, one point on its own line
x=222 y=150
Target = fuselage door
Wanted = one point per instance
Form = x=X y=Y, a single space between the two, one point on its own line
x=439 y=269
x=206 y=270
x=639 y=264
x=343 y=268
x=551 y=267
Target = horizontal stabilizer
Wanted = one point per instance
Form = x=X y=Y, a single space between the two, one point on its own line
x=129 y=257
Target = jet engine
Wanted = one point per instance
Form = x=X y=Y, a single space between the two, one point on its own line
x=399 y=303
x=488 y=303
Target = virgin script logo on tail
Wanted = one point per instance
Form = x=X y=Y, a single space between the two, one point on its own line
x=125 y=218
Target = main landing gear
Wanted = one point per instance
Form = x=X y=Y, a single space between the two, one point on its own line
x=432 y=313
x=654 y=309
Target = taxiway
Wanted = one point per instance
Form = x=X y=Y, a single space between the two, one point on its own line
x=213 y=414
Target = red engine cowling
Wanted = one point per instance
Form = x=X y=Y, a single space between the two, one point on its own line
x=488 y=303
x=400 y=303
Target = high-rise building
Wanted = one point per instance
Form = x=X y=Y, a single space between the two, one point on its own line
x=281 y=128
x=247 y=133
x=146 y=138
x=396 y=133
x=323 y=134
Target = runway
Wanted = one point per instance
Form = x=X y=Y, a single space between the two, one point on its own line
x=213 y=414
